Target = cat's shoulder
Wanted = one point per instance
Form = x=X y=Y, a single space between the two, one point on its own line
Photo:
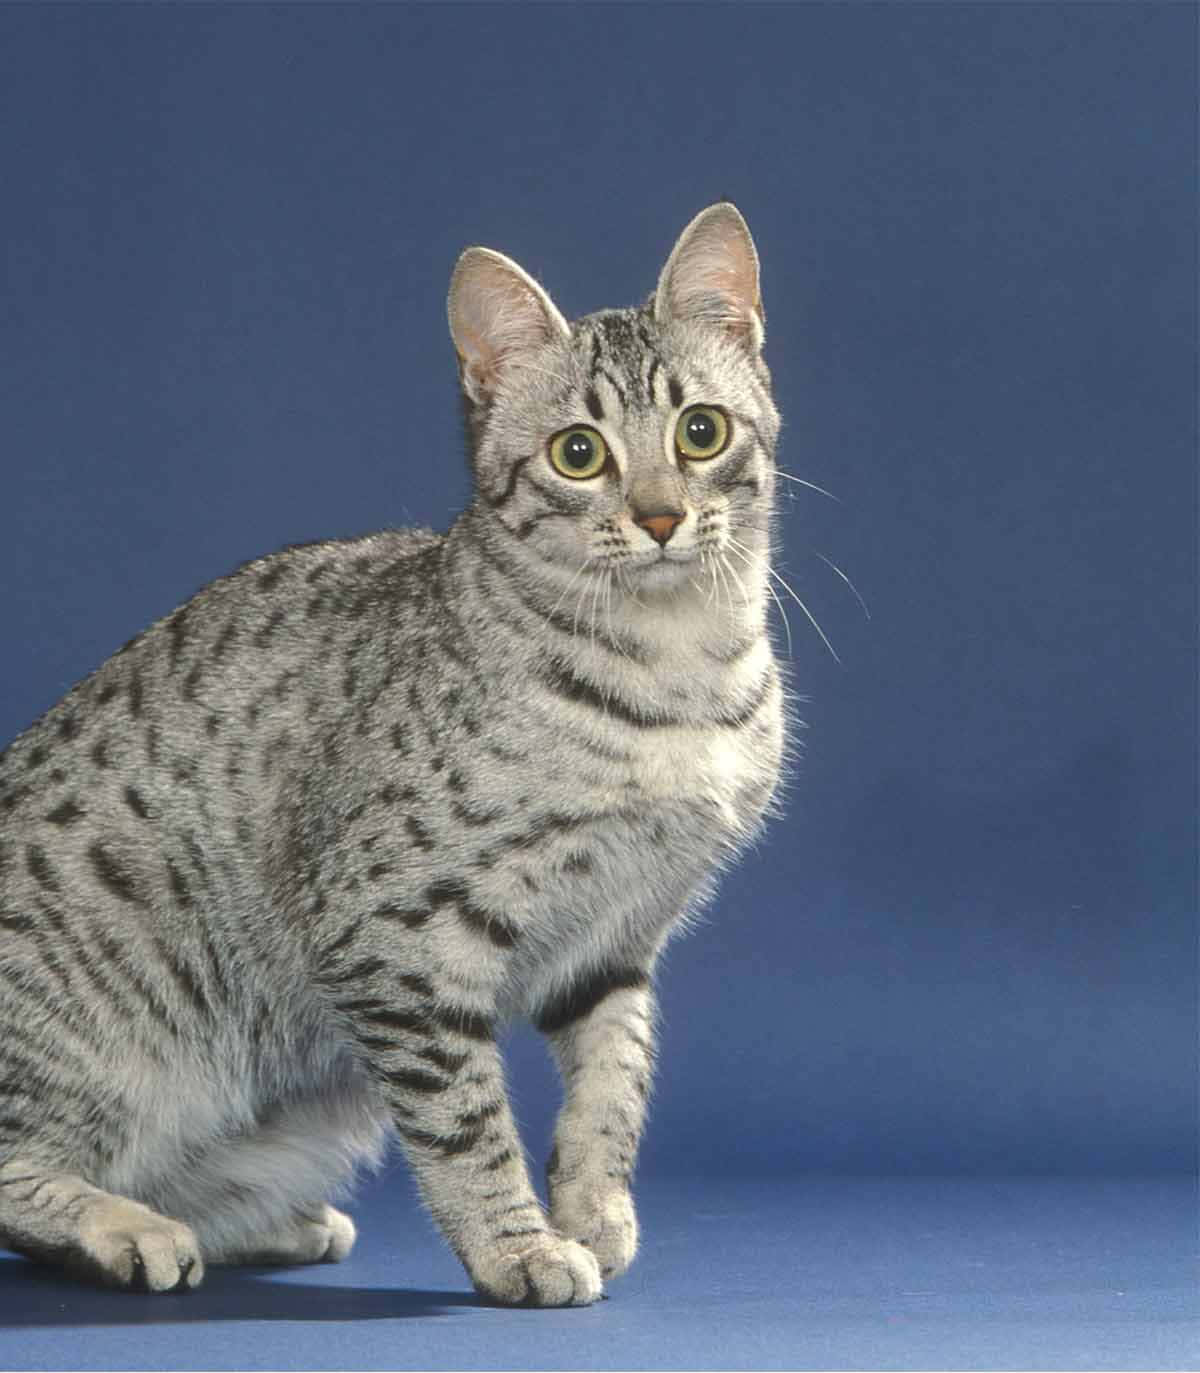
x=322 y=557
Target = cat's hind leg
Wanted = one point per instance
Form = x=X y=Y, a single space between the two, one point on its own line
x=315 y=1234
x=58 y=1217
x=258 y=1197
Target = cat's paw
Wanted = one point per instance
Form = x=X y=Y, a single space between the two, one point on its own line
x=547 y=1270
x=322 y=1235
x=125 y=1244
x=604 y=1221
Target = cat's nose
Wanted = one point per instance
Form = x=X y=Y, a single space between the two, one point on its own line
x=659 y=524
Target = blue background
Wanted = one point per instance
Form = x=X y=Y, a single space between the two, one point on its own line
x=970 y=945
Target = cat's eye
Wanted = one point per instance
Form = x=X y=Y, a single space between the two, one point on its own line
x=578 y=453
x=702 y=432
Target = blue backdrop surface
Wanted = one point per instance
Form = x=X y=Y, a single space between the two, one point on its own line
x=969 y=945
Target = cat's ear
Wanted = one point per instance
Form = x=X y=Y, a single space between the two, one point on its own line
x=497 y=312
x=711 y=277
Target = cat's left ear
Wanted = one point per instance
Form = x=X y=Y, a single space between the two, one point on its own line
x=711 y=277
x=497 y=312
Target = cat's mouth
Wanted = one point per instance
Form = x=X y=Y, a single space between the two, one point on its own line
x=659 y=556
x=662 y=568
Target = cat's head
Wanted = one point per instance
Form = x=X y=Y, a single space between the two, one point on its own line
x=638 y=441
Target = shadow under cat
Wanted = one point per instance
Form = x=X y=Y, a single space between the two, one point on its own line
x=32 y=1295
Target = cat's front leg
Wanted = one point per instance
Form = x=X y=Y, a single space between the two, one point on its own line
x=602 y=1035
x=442 y=1072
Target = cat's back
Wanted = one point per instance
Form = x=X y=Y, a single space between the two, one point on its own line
x=200 y=702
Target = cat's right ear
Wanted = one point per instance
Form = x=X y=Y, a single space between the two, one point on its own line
x=711 y=277
x=497 y=313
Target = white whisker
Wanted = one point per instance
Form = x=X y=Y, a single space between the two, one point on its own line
x=743 y=552
x=834 y=568
x=812 y=486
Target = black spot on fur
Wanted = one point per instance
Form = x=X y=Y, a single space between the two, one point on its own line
x=113 y=874
x=65 y=814
x=276 y=618
x=177 y=635
x=179 y=886
x=410 y=918
x=40 y=869
x=419 y=834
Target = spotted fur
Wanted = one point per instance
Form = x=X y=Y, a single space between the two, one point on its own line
x=271 y=877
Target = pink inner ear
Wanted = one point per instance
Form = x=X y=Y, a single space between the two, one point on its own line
x=713 y=276
x=496 y=314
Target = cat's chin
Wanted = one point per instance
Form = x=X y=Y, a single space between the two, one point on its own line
x=663 y=574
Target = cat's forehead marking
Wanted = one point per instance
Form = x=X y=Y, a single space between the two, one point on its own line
x=622 y=355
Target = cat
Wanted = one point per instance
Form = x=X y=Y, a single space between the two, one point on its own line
x=271 y=877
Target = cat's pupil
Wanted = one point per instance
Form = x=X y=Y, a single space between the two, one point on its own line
x=701 y=430
x=578 y=451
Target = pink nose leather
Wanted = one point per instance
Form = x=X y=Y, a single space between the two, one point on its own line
x=660 y=527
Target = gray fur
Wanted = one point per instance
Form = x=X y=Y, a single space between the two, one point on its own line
x=271 y=876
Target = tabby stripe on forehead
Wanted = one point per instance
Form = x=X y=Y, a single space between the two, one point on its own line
x=655 y=364
x=592 y=400
x=615 y=384
x=675 y=391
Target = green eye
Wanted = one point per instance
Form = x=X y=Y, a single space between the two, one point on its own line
x=702 y=432
x=578 y=453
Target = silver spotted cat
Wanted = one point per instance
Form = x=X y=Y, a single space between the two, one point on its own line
x=271 y=876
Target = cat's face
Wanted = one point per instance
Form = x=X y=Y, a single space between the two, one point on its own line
x=637 y=442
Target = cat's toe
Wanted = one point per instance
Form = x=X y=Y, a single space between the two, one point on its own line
x=318 y=1234
x=340 y=1233
x=550 y=1271
x=603 y=1221
x=127 y=1245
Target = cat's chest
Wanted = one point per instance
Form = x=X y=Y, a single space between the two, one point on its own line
x=623 y=834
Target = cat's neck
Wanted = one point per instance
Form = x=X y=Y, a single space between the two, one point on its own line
x=710 y=617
